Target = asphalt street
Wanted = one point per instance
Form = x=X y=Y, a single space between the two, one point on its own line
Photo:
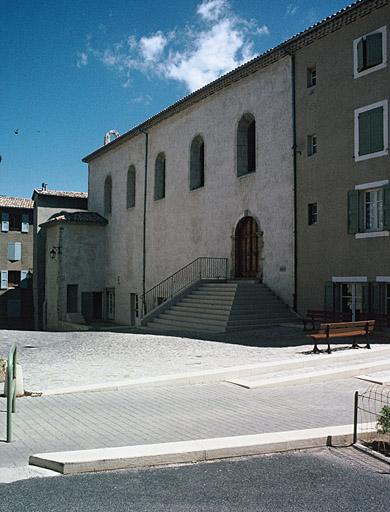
x=318 y=480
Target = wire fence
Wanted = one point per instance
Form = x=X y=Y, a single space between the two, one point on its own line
x=372 y=418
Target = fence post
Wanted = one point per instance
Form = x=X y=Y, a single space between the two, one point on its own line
x=11 y=390
x=355 y=417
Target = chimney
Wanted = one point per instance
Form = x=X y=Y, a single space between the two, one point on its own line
x=44 y=186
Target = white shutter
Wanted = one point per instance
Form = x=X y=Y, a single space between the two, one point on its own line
x=25 y=223
x=4 y=222
x=15 y=251
x=23 y=278
x=4 y=279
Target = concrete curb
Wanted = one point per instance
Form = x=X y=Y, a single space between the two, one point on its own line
x=123 y=457
x=313 y=377
x=216 y=375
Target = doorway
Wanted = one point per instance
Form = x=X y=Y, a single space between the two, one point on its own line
x=351 y=300
x=110 y=303
x=247 y=248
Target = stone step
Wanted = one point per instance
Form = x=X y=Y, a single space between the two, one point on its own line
x=201 y=313
x=187 y=326
x=202 y=318
x=195 y=306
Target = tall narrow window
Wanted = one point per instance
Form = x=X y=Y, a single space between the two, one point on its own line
x=311 y=76
x=246 y=145
x=311 y=145
x=197 y=163
x=108 y=196
x=131 y=187
x=312 y=213
x=159 y=177
x=71 y=298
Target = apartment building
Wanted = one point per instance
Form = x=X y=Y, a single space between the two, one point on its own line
x=16 y=262
x=343 y=166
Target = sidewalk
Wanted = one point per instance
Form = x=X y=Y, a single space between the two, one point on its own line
x=166 y=414
x=53 y=360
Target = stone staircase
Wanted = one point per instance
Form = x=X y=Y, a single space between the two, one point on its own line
x=224 y=307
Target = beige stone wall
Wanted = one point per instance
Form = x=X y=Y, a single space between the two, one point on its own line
x=188 y=224
x=81 y=262
x=326 y=249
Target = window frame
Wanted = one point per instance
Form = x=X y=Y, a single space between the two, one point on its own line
x=201 y=155
x=311 y=76
x=246 y=121
x=312 y=214
x=377 y=211
x=312 y=144
x=159 y=194
x=358 y=74
x=366 y=108
x=131 y=198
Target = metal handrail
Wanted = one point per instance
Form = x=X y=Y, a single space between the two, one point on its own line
x=201 y=268
x=11 y=390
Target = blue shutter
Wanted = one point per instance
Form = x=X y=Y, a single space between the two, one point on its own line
x=4 y=222
x=25 y=223
x=4 y=279
x=15 y=251
x=386 y=207
x=360 y=55
x=374 y=49
x=364 y=133
x=24 y=278
x=353 y=211
x=376 y=130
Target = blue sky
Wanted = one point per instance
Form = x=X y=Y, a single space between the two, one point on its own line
x=73 y=70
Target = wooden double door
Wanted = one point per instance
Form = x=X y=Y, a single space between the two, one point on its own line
x=247 y=248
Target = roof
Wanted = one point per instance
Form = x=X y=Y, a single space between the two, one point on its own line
x=306 y=37
x=60 y=193
x=16 y=202
x=75 y=218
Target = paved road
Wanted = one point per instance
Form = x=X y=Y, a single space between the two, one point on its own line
x=170 y=413
x=321 y=481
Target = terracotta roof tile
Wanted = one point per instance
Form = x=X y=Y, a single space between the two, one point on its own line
x=15 y=202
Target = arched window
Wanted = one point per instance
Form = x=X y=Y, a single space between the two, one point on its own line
x=197 y=163
x=108 y=196
x=159 y=177
x=246 y=145
x=131 y=187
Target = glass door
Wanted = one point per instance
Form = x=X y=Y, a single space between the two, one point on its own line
x=352 y=300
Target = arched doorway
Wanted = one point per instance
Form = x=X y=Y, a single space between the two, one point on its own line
x=247 y=248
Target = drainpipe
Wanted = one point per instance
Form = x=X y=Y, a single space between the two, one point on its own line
x=144 y=221
x=294 y=148
x=294 y=127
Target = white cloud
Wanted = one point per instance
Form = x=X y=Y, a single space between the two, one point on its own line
x=291 y=9
x=145 y=99
x=263 y=31
x=82 y=59
x=152 y=47
x=212 y=10
x=215 y=52
x=217 y=43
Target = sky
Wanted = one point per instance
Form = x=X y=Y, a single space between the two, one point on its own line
x=72 y=70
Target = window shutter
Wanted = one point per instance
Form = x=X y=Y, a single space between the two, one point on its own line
x=4 y=222
x=25 y=223
x=374 y=49
x=23 y=279
x=15 y=251
x=360 y=55
x=364 y=133
x=365 y=297
x=386 y=207
x=329 y=296
x=353 y=212
x=376 y=298
x=4 y=279
x=376 y=130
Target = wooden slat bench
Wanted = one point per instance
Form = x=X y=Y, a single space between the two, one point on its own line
x=316 y=316
x=328 y=331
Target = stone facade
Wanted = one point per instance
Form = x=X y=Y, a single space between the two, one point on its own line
x=337 y=268
x=16 y=262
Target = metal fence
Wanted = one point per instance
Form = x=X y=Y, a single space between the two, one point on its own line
x=201 y=268
x=372 y=418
